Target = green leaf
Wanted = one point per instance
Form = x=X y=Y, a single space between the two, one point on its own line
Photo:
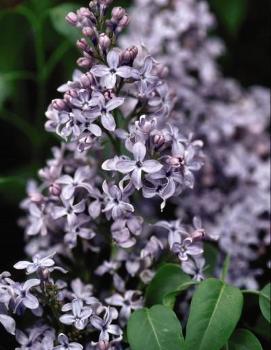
x=155 y=329
x=264 y=301
x=242 y=339
x=210 y=255
x=58 y=14
x=215 y=310
x=231 y=13
x=168 y=279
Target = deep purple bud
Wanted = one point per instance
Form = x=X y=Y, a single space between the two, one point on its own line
x=128 y=56
x=104 y=41
x=72 y=18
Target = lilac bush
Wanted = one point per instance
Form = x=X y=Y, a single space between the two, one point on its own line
x=231 y=121
x=124 y=191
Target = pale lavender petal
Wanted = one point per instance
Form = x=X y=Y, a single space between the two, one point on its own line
x=113 y=59
x=100 y=70
x=125 y=166
x=114 y=103
x=136 y=178
x=139 y=151
x=8 y=323
x=108 y=122
x=125 y=72
x=151 y=166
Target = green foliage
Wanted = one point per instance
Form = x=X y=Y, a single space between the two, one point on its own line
x=210 y=255
x=58 y=14
x=156 y=328
x=231 y=13
x=166 y=284
x=264 y=302
x=242 y=339
x=215 y=310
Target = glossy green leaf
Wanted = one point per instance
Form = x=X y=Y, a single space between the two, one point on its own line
x=58 y=14
x=215 y=310
x=264 y=301
x=230 y=12
x=155 y=329
x=210 y=255
x=168 y=279
x=242 y=339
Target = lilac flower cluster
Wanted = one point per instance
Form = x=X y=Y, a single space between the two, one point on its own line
x=98 y=208
x=232 y=193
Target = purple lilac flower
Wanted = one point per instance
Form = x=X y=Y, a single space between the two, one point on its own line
x=113 y=70
x=79 y=316
x=63 y=340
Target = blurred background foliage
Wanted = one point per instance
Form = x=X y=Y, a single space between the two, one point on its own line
x=37 y=54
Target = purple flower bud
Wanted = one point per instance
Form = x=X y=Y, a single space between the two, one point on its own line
x=88 y=32
x=59 y=104
x=128 y=56
x=82 y=44
x=84 y=12
x=72 y=18
x=162 y=71
x=87 y=79
x=104 y=41
x=84 y=62
x=118 y=13
x=158 y=140
x=124 y=21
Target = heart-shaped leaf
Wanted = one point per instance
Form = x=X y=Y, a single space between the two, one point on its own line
x=156 y=328
x=264 y=301
x=168 y=279
x=242 y=339
x=215 y=310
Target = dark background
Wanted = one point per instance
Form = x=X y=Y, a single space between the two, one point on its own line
x=36 y=56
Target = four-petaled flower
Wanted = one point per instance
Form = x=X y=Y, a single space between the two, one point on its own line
x=109 y=73
x=138 y=165
x=79 y=316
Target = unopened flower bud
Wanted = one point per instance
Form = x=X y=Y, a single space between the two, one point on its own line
x=59 y=104
x=158 y=140
x=82 y=44
x=88 y=32
x=118 y=13
x=124 y=21
x=84 y=62
x=72 y=18
x=104 y=41
x=84 y=12
x=55 y=189
x=87 y=80
x=128 y=56
x=198 y=234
